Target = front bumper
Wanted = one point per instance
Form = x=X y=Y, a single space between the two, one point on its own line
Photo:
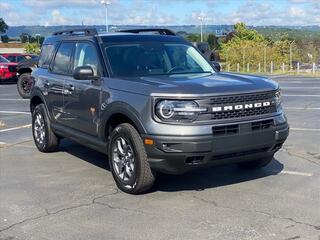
x=179 y=154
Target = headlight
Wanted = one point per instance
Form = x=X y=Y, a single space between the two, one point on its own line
x=178 y=111
x=278 y=97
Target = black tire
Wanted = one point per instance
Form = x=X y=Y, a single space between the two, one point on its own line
x=50 y=141
x=25 y=85
x=142 y=177
x=256 y=164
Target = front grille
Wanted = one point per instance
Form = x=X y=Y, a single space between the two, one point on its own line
x=12 y=68
x=225 y=130
x=241 y=99
x=262 y=125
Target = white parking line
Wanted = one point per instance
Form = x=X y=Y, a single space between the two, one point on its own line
x=297 y=173
x=301 y=108
x=14 y=112
x=306 y=129
x=300 y=87
x=14 y=99
x=300 y=95
x=15 y=128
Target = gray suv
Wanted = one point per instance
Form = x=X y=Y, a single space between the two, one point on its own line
x=152 y=103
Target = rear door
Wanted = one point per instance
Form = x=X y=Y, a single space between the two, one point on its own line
x=82 y=97
x=59 y=71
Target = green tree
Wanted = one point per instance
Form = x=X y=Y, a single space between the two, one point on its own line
x=25 y=37
x=194 y=37
x=213 y=41
x=3 y=26
x=5 y=38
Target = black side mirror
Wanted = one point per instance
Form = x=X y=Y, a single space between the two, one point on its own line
x=216 y=66
x=83 y=73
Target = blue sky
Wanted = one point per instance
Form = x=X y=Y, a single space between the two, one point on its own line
x=161 y=12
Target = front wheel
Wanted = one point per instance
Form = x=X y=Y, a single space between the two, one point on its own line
x=128 y=160
x=256 y=164
x=44 y=137
x=25 y=85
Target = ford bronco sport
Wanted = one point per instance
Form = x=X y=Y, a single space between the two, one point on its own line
x=152 y=103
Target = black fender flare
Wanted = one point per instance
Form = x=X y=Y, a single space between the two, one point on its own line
x=119 y=108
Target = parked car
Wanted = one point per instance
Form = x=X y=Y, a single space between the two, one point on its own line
x=19 y=57
x=25 y=82
x=8 y=71
x=152 y=103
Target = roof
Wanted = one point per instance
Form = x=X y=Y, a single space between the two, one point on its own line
x=137 y=35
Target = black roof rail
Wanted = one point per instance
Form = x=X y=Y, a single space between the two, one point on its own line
x=79 y=31
x=161 y=31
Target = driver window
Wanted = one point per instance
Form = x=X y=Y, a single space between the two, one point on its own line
x=86 y=55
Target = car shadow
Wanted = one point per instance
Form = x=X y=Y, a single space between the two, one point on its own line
x=197 y=180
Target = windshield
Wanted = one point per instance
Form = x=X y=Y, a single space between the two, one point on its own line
x=3 y=60
x=146 y=59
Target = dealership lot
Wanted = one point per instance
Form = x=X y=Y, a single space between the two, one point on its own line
x=70 y=194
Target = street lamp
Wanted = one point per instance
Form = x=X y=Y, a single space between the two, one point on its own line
x=106 y=3
x=290 y=55
x=38 y=38
x=201 y=18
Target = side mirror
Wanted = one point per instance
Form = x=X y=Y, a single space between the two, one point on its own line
x=216 y=66
x=83 y=73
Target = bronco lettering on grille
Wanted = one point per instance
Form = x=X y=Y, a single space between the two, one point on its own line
x=241 y=106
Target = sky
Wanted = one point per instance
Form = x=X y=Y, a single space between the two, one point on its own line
x=160 y=12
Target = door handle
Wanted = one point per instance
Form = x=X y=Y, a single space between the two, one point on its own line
x=71 y=88
x=46 y=84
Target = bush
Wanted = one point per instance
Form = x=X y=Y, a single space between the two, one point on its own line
x=32 y=48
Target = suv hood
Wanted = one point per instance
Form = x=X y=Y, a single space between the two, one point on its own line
x=195 y=84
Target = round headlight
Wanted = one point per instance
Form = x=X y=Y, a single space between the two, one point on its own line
x=166 y=109
x=278 y=97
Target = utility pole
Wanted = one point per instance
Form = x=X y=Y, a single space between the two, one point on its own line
x=106 y=3
x=290 y=55
x=265 y=58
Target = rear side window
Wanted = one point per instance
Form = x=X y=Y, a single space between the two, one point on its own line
x=45 y=56
x=61 y=63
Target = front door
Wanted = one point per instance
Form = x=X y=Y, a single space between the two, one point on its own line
x=82 y=97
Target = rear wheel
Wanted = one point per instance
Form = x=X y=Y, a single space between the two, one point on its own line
x=25 y=85
x=44 y=138
x=128 y=160
x=256 y=164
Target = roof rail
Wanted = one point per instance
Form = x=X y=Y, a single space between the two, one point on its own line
x=79 y=31
x=161 y=31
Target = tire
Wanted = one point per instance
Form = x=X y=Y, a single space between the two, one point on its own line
x=44 y=139
x=25 y=85
x=256 y=164
x=127 y=154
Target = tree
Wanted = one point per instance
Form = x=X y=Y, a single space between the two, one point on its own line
x=5 y=38
x=3 y=26
x=25 y=37
x=213 y=41
x=193 y=37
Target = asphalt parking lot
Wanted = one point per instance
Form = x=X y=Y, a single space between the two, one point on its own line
x=70 y=194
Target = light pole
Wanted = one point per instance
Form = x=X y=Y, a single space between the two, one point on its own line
x=290 y=55
x=106 y=3
x=38 y=38
x=201 y=18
